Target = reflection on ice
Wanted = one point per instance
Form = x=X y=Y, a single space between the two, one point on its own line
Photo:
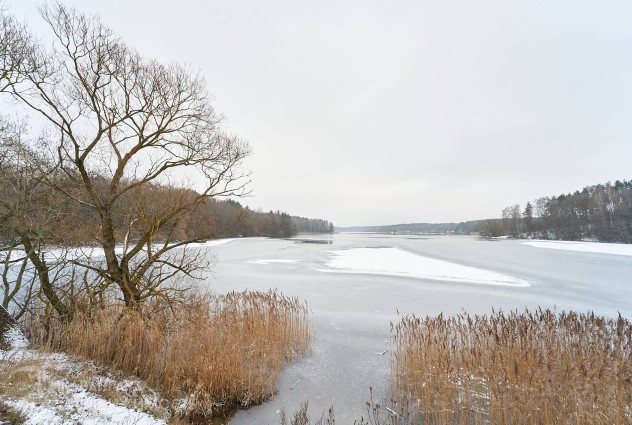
x=397 y=262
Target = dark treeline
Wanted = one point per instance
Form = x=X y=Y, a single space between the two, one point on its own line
x=462 y=228
x=601 y=212
x=312 y=225
x=228 y=218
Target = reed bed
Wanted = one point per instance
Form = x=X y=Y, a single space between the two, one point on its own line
x=516 y=368
x=207 y=356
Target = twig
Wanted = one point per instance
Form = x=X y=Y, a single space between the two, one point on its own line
x=296 y=383
x=392 y=411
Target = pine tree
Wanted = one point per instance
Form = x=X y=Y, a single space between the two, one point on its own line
x=528 y=218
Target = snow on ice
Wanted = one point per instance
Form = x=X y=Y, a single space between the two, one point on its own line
x=597 y=247
x=397 y=262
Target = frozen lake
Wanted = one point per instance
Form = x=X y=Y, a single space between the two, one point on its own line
x=356 y=285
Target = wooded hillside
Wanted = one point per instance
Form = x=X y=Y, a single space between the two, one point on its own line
x=601 y=212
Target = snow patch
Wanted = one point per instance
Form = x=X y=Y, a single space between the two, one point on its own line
x=15 y=338
x=397 y=262
x=596 y=247
x=273 y=261
x=55 y=255
x=36 y=414
x=25 y=355
x=56 y=400
x=83 y=408
x=213 y=242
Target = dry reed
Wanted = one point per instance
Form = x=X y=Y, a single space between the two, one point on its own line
x=516 y=368
x=208 y=356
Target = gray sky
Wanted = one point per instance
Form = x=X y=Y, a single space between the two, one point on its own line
x=376 y=112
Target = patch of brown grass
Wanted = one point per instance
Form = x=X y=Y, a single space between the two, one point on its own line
x=18 y=379
x=516 y=368
x=208 y=355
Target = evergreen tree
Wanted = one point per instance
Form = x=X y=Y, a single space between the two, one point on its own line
x=527 y=217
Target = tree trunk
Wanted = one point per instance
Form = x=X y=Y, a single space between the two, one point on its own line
x=116 y=271
x=65 y=313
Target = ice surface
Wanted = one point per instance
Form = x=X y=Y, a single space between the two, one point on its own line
x=597 y=247
x=397 y=262
x=352 y=311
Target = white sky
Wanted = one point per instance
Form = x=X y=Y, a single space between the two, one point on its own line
x=382 y=112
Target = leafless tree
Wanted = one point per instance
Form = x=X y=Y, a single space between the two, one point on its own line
x=512 y=217
x=31 y=215
x=123 y=125
x=20 y=55
x=491 y=228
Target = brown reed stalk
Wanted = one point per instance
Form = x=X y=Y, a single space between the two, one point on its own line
x=517 y=368
x=208 y=355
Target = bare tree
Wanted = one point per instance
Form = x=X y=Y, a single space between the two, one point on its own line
x=491 y=228
x=512 y=217
x=124 y=125
x=19 y=56
x=31 y=215
x=19 y=53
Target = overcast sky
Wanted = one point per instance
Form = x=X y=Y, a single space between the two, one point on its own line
x=384 y=112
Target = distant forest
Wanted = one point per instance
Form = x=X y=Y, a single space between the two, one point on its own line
x=462 y=228
x=601 y=212
x=229 y=218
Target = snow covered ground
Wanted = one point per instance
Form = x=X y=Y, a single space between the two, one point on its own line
x=54 y=254
x=597 y=247
x=397 y=262
x=14 y=338
x=52 y=389
x=74 y=405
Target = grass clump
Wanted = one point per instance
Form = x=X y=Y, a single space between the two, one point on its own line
x=207 y=355
x=10 y=416
x=18 y=378
x=301 y=417
x=516 y=368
